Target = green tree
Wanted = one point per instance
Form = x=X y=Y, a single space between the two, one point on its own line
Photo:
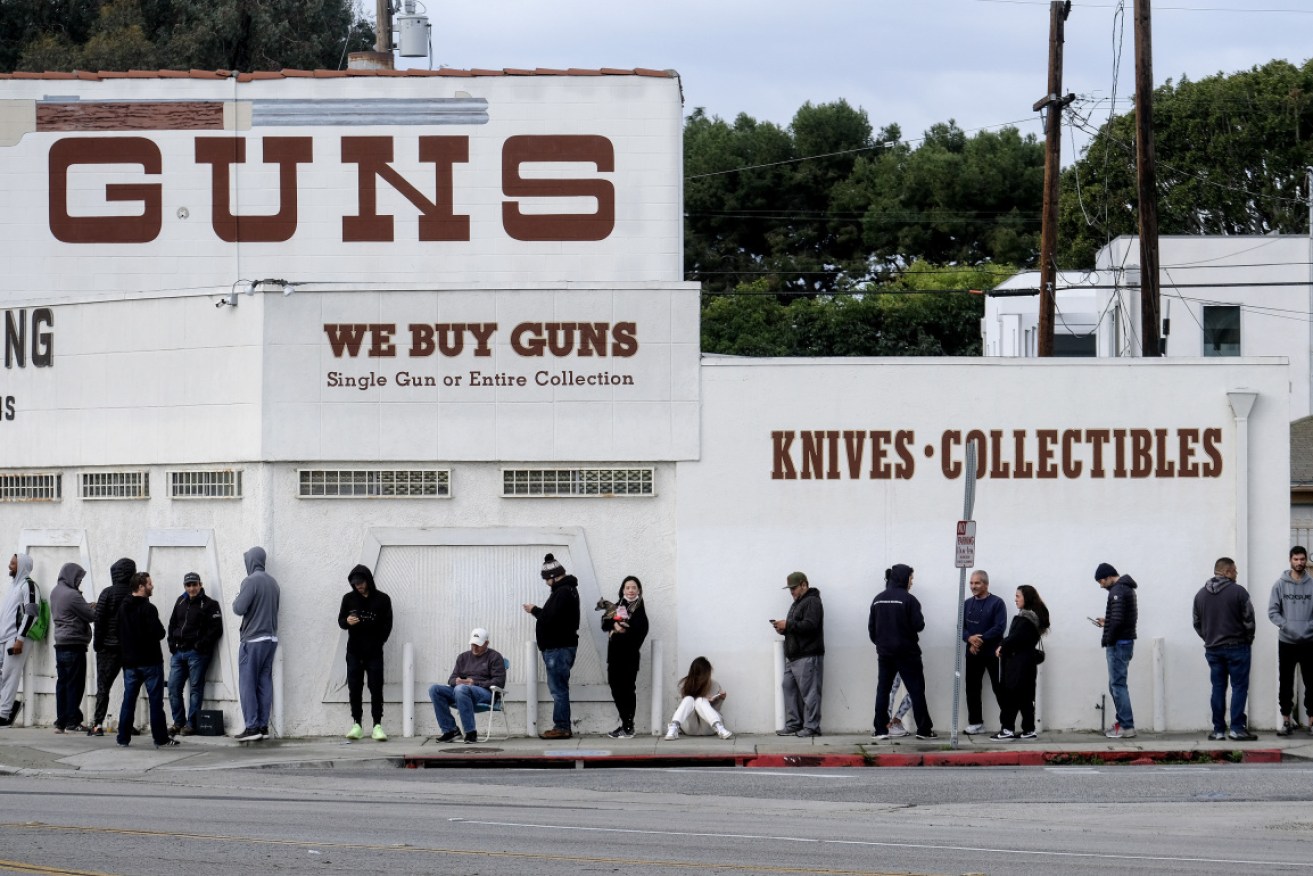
x=1231 y=152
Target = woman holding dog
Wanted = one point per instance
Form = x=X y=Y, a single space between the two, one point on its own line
x=626 y=627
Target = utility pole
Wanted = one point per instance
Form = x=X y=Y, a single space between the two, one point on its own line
x=1052 y=103
x=1146 y=177
x=383 y=28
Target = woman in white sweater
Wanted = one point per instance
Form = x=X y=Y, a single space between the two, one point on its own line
x=700 y=694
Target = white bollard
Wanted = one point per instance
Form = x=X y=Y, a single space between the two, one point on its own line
x=779 y=684
x=29 y=701
x=531 y=689
x=407 y=690
x=658 y=692
x=277 y=717
x=1159 y=651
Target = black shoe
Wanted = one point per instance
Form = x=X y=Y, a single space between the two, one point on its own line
x=471 y=737
x=928 y=734
x=807 y=733
x=449 y=736
x=787 y=732
x=1287 y=727
x=175 y=729
x=1217 y=736
x=5 y=722
x=1244 y=736
x=250 y=734
x=98 y=730
x=617 y=733
x=171 y=742
x=264 y=733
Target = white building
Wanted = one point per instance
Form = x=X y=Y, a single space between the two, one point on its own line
x=436 y=323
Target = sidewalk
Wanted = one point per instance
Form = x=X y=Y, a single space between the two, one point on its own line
x=40 y=749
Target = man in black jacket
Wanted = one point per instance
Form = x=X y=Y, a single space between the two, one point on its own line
x=804 y=658
x=194 y=628
x=1224 y=619
x=557 y=632
x=106 y=640
x=366 y=615
x=140 y=633
x=1118 y=623
x=894 y=626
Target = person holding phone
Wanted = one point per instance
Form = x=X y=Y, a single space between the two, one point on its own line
x=1118 y=641
x=804 y=658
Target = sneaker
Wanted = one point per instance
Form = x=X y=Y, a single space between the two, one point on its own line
x=175 y=729
x=618 y=733
x=471 y=737
x=627 y=732
x=1120 y=732
x=1004 y=735
x=1287 y=727
x=1310 y=728
x=879 y=735
x=1241 y=735
x=98 y=730
x=356 y=732
x=449 y=736
x=896 y=730
x=556 y=733
x=787 y=732
x=973 y=729
x=187 y=730
x=1217 y=736
x=379 y=735
x=60 y=730
x=76 y=728
x=265 y=734
x=168 y=744
x=250 y=734
x=672 y=732
x=807 y=733
x=722 y=731
x=928 y=734
x=1028 y=734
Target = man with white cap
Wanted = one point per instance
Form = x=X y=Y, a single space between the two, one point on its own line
x=477 y=671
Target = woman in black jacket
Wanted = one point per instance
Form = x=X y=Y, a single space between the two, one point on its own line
x=1019 y=664
x=626 y=630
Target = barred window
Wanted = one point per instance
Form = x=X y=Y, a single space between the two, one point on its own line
x=426 y=483
x=537 y=482
x=31 y=487
x=115 y=485
x=220 y=484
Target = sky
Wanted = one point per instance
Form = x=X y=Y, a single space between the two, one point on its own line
x=982 y=63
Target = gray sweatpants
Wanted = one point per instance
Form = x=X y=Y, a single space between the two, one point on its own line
x=802 y=693
x=11 y=673
x=255 y=681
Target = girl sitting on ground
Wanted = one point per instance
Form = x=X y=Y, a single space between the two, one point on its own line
x=699 y=693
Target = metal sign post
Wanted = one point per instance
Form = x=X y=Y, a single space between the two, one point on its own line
x=964 y=558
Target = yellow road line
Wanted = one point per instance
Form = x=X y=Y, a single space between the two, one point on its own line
x=23 y=867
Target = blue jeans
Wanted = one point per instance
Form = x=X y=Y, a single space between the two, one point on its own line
x=1229 y=662
x=70 y=685
x=559 y=662
x=1119 y=663
x=152 y=678
x=255 y=681
x=188 y=667
x=464 y=697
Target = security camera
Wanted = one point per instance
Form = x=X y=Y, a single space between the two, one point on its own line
x=220 y=303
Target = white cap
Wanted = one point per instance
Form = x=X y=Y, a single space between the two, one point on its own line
x=479 y=636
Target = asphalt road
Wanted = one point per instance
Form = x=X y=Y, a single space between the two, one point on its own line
x=1223 y=819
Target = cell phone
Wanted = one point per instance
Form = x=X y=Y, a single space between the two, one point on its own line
x=772 y=621
x=1092 y=620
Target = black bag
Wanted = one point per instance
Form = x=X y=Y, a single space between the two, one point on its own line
x=209 y=722
x=1039 y=654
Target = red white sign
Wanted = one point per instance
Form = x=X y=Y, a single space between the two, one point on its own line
x=966 y=544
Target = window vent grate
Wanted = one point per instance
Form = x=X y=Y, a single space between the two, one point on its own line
x=115 y=485
x=430 y=483
x=565 y=482
x=31 y=487
x=221 y=484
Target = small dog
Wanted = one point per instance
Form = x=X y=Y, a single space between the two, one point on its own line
x=607 y=607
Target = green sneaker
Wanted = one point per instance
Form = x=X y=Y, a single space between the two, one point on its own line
x=355 y=732
x=378 y=733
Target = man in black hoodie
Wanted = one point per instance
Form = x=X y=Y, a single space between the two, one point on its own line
x=1118 y=640
x=803 y=629
x=1224 y=619
x=893 y=627
x=140 y=633
x=557 y=632
x=106 y=641
x=194 y=627
x=366 y=615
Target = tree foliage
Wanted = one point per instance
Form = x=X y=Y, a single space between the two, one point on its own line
x=242 y=35
x=1231 y=152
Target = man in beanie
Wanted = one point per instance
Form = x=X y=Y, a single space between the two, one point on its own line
x=194 y=627
x=894 y=626
x=1118 y=623
x=557 y=632
x=803 y=630
x=366 y=615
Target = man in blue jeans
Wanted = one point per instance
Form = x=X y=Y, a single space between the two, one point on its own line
x=477 y=670
x=194 y=627
x=1118 y=623
x=140 y=634
x=557 y=632
x=1224 y=619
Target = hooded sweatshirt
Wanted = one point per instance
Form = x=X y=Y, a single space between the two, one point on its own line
x=107 y=605
x=1291 y=608
x=804 y=626
x=896 y=617
x=366 y=638
x=1223 y=614
x=21 y=603
x=257 y=600
x=70 y=613
x=1122 y=613
x=140 y=633
x=558 y=618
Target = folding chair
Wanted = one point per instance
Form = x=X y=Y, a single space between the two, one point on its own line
x=493 y=708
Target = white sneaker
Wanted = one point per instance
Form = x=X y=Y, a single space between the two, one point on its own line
x=897 y=730
x=722 y=731
x=672 y=732
x=973 y=729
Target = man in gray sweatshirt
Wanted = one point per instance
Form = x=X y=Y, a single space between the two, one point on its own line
x=1291 y=608
x=71 y=615
x=257 y=606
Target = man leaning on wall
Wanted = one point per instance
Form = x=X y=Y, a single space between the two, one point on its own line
x=257 y=606
x=18 y=611
x=803 y=630
x=1291 y=608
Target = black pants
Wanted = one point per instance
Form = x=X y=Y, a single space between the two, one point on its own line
x=1018 y=696
x=356 y=670
x=70 y=684
x=1290 y=655
x=913 y=674
x=108 y=665
x=622 y=675
x=977 y=666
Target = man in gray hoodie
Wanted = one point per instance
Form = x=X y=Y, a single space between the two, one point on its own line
x=257 y=606
x=1224 y=619
x=18 y=611
x=1291 y=609
x=71 y=615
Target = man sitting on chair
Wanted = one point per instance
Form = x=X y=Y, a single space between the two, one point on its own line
x=477 y=670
